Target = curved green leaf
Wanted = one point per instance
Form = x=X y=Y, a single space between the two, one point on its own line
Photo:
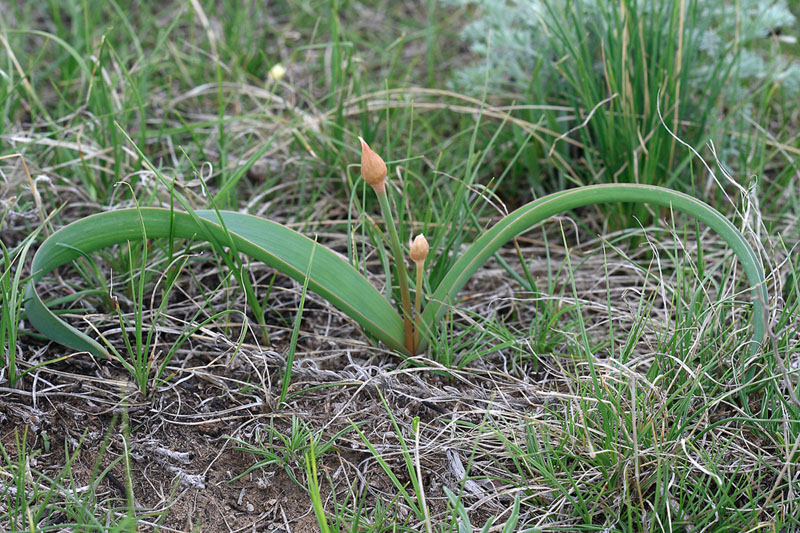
x=535 y=212
x=278 y=246
x=333 y=278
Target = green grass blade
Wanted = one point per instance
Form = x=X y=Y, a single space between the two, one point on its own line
x=539 y=210
x=313 y=486
x=287 y=374
x=278 y=246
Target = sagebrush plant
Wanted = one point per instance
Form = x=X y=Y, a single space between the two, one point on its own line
x=613 y=65
x=322 y=271
x=514 y=38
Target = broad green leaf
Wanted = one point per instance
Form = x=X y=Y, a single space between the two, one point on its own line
x=539 y=210
x=337 y=281
x=278 y=246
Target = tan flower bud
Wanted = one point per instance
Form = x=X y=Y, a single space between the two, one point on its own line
x=373 y=169
x=419 y=249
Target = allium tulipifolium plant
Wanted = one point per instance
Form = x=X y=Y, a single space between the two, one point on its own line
x=406 y=331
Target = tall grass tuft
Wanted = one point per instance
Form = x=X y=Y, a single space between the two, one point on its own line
x=614 y=66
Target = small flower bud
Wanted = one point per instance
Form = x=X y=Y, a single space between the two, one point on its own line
x=276 y=72
x=419 y=249
x=373 y=169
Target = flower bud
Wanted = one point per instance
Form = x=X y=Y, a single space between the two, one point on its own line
x=419 y=249
x=373 y=169
x=276 y=72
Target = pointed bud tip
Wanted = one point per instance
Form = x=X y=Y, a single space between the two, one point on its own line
x=373 y=169
x=419 y=249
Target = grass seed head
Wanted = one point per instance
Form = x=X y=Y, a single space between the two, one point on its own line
x=419 y=249
x=373 y=169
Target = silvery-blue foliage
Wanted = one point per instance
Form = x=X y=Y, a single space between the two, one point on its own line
x=515 y=38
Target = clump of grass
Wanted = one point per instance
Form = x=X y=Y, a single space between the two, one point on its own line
x=36 y=501
x=613 y=64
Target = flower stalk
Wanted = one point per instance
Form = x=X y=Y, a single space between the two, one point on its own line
x=419 y=252
x=373 y=170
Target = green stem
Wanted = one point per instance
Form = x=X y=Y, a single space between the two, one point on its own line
x=418 y=305
x=402 y=275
